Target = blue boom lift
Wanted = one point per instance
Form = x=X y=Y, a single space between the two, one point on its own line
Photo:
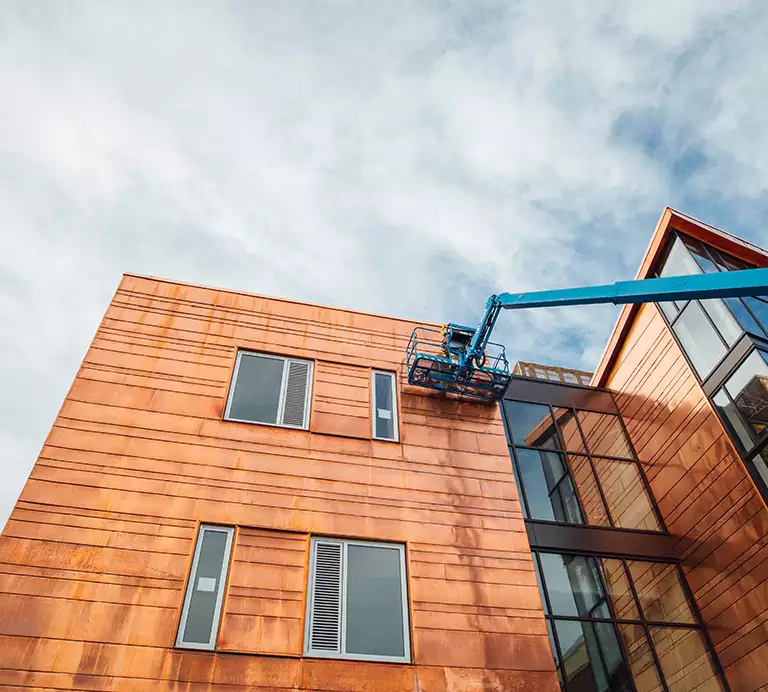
x=465 y=361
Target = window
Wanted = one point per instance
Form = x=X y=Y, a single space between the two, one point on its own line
x=205 y=590
x=743 y=403
x=384 y=406
x=574 y=466
x=357 y=606
x=270 y=390
x=620 y=625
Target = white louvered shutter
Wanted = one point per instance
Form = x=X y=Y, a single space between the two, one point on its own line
x=296 y=394
x=325 y=608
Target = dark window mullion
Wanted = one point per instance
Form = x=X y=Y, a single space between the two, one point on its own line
x=614 y=619
x=608 y=512
x=645 y=627
x=515 y=465
x=636 y=460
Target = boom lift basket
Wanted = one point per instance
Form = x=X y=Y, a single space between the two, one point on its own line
x=437 y=359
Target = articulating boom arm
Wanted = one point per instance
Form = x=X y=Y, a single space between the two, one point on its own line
x=732 y=284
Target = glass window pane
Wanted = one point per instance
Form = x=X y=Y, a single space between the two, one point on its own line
x=592 y=658
x=569 y=430
x=541 y=585
x=573 y=584
x=604 y=434
x=205 y=584
x=725 y=322
x=685 y=660
x=547 y=488
x=619 y=590
x=700 y=255
x=738 y=426
x=699 y=339
x=384 y=406
x=759 y=309
x=670 y=310
x=747 y=387
x=625 y=493
x=660 y=591
x=374 y=604
x=531 y=424
x=257 y=389
x=588 y=492
x=641 y=663
x=679 y=261
x=744 y=317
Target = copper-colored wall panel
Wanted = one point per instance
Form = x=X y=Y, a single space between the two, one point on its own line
x=703 y=491
x=95 y=557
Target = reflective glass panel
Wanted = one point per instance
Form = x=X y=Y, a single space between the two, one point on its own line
x=257 y=389
x=604 y=434
x=625 y=493
x=699 y=339
x=589 y=493
x=531 y=424
x=374 y=603
x=619 y=590
x=573 y=584
x=760 y=463
x=700 y=256
x=725 y=322
x=684 y=660
x=592 y=659
x=641 y=663
x=759 y=309
x=569 y=430
x=744 y=317
x=748 y=389
x=548 y=488
x=661 y=593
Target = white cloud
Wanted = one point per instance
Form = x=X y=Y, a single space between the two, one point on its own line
x=407 y=158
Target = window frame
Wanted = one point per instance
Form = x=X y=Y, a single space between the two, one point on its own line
x=222 y=588
x=286 y=360
x=395 y=417
x=342 y=655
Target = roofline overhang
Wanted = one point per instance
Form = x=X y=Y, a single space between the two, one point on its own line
x=671 y=220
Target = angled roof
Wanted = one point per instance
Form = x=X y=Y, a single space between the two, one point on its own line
x=670 y=221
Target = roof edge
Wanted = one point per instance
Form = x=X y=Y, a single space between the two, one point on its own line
x=291 y=301
x=670 y=220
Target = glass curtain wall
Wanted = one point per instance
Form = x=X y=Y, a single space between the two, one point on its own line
x=577 y=467
x=622 y=625
x=708 y=331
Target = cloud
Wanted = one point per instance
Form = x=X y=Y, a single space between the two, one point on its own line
x=405 y=158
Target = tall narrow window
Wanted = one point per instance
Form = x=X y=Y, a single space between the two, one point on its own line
x=384 y=406
x=271 y=390
x=205 y=589
x=357 y=605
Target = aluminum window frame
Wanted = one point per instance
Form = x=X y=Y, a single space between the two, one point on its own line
x=395 y=418
x=345 y=543
x=286 y=360
x=222 y=587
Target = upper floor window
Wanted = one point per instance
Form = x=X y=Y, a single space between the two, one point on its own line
x=384 y=402
x=357 y=605
x=271 y=390
x=743 y=403
x=577 y=467
x=205 y=590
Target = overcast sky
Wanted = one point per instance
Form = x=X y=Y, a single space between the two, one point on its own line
x=408 y=158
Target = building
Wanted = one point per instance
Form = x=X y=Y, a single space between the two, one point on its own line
x=244 y=493
x=550 y=372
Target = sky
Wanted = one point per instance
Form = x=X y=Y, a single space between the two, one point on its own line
x=402 y=157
